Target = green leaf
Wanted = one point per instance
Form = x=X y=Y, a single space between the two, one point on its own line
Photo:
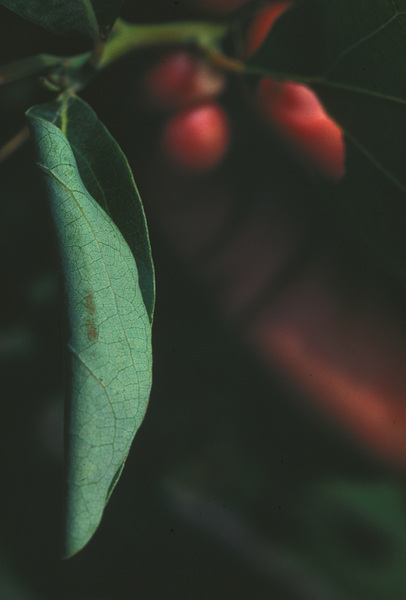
x=353 y=55
x=89 y=17
x=110 y=334
x=107 y=177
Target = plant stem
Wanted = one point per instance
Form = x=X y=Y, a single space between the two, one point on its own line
x=74 y=72
x=26 y=67
x=127 y=37
x=15 y=143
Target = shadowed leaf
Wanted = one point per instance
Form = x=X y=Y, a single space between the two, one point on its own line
x=88 y=17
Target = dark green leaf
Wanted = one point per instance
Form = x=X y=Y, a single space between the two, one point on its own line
x=110 y=333
x=89 y=17
x=26 y=67
x=353 y=55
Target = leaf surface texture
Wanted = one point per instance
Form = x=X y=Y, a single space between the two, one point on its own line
x=110 y=332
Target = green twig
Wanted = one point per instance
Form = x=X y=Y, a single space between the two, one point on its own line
x=26 y=67
x=15 y=143
x=73 y=73
x=206 y=37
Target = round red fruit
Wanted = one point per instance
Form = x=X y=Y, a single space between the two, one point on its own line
x=180 y=79
x=196 y=139
x=296 y=114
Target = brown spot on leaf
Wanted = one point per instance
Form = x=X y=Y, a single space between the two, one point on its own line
x=91 y=328
x=90 y=305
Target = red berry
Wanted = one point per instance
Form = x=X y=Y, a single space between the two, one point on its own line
x=262 y=24
x=296 y=114
x=196 y=139
x=294 y=111
x=180 y=79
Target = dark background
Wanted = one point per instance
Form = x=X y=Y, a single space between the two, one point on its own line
x=232 y=489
